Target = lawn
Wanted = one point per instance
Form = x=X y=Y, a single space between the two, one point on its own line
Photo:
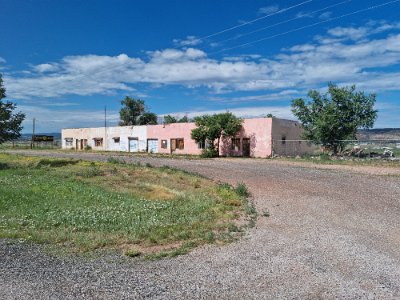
x=83 y=206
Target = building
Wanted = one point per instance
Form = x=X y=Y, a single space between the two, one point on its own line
x=259 y=137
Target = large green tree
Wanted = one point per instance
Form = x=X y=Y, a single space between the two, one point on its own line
x=133 y=112
x=212 y=128
x=10 y=122
x=333 y=117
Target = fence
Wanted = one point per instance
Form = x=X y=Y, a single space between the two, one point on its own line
x=28 y=144
x=360 y=148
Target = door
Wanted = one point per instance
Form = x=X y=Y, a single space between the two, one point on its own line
x=133 y=145
x=152 y=146
x=246 y=147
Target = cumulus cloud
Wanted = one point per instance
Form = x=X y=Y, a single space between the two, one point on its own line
x=344 y=54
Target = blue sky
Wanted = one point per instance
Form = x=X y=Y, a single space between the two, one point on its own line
x=63 y=61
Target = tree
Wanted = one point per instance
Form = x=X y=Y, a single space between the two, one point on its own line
x=134 y=112
x=184 y=119
x=168 y=119
x=10 y=122
x=335 y=116
x=147 y=118
x=214 y=127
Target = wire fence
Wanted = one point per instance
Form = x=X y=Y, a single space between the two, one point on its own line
x=27 y=144
x=357 y=148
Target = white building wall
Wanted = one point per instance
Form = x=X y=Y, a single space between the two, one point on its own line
x=125 y=133
x=109 y=135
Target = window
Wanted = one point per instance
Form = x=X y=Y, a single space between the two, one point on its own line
x=69 y=142
x=236 y=144
x=164 y=144
x=116 y=140
x=98 y=142
x=180 y=144
x=177 y=144
x=202 y=145
x=283 y=140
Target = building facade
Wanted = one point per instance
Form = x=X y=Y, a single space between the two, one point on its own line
x=259 y=137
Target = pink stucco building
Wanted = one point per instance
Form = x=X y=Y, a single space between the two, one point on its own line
x=259 y=137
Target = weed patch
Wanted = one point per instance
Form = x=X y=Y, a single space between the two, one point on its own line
x=83 y=206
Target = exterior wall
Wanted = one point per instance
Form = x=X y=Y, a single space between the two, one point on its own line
x=174 y=131
x=264 y=137
x=258 y=131
x=123 y=132
x=286 y=135
x=78 y=134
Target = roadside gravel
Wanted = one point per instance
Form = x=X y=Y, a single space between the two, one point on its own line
x=331 y=234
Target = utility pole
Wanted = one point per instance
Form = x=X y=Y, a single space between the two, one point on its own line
x=33 y=133
x=105 y=127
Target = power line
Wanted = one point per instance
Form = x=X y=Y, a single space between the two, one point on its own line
x=254 y=20
x=307 y=26
x=283 y=22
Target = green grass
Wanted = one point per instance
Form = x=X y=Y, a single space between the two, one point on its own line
x=85 y=206
x=351 y=161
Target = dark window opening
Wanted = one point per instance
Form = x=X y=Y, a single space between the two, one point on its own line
x=235 y=144
x=164 y=144
x=98 y=142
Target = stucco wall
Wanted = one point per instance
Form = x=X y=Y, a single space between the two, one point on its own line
x=174 y=131
x=258 y=131
x=286 y=135
x=123 y=132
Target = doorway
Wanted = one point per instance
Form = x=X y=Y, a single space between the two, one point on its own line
x=246 y=147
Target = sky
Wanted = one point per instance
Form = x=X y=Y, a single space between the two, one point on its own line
x=64 y=61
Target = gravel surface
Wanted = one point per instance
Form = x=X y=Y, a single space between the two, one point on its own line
x=331 y=234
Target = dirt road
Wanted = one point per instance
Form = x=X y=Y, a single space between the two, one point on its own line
x=331 y=234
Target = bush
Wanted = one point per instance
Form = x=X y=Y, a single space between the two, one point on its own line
x=242 y=190
x=208 y=153
x=88 y=148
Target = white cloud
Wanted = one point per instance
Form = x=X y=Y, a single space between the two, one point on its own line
x=284 y=95
x=50 y=120
x=342 y=55
x=188 y=41
x=2 y=60
x=42 y=68
x=326 y=15
x=246 y=112
x=268 y=9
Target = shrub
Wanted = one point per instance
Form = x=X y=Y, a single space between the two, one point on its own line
x=88 y=148
x=209 y=153
x=242 y=191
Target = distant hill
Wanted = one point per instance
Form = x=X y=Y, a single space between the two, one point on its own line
x=379 y=134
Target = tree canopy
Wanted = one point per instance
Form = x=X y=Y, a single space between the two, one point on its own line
x=168 y=119
x=335 y=116
x=133 y=112
x=212 y=128
x=10 y=122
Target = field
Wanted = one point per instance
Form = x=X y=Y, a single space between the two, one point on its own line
x=137 y=209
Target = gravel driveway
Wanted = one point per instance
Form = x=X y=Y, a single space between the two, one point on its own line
x=331 y=234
